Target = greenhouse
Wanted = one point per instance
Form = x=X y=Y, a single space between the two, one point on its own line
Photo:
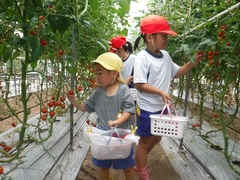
x=50 y=54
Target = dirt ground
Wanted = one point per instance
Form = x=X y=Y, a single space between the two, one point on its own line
x=157 y=160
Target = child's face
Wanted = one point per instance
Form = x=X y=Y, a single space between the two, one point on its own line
x=159 y=40
x=104 y=77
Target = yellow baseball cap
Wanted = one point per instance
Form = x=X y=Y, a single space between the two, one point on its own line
x=111 y=61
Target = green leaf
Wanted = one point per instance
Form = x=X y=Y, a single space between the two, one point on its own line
x=51 y=20
x=125 y=7
x=94 y=6
x=101 y=44
x=37 y=49
x=185 y=48
x=33 y=64
x=71 y=69
x=62 y=24
x=6 y=55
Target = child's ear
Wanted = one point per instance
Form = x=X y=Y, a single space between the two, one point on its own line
x=149 y=37
x=115 y=73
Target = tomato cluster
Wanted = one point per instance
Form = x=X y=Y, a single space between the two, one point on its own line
x=54 y=107
x=5 y=147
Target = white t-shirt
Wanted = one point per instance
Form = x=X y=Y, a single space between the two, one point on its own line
x=128 y=66
x=157 y=72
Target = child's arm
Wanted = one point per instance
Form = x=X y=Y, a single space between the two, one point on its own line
x=75 y=103
x=187 y=67
x=124 y=117
x=144 y=87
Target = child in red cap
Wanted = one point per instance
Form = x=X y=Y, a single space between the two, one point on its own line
x=123 y=48
x=153 y=71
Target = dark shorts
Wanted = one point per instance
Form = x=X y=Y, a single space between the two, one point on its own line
x=144 y=122
x=116 y=163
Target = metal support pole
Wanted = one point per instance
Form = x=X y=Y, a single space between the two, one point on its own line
x=185 y=102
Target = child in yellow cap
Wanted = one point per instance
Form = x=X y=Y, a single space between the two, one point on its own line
x=111 y=97
x=153 y=72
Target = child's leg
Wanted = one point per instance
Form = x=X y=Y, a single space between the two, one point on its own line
x=129 y=173
x=145 y=145
x=103 y=173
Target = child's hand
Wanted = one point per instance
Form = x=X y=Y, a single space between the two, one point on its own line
x=112 y=123
x=165 y=97
x=198 y=57
x=70 y=96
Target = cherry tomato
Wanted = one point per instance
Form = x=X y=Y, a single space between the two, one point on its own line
x=1 y=170
x=43 y=42
x=40 y=17
x=51 y=104
x=70 y=92
x=13 y=124
x=62 y=99
x=58 y=103
x=44 y=117
x=60 y=52
x=63 y=106
x=32 y=32
x=52 y=113
x=44 y=110
x=79 y=88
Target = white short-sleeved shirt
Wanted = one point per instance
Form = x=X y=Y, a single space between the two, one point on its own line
x=157 y=72
x=128 y=66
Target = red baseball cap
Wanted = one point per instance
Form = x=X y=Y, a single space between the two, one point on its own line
x=117 y=42
x=155 y=24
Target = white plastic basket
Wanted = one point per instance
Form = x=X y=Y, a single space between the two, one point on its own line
x=104 y=146
x=114 y=150
x=168 y=125
x=134 y=93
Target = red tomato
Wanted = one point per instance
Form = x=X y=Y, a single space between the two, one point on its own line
x=52 y=113
x=40 y=17
x=32 y=32
x=62 y=99
x=43 y=42
x=210 y=57
x=60 y=52
x=44 y=117
x=70 y=92
x=58 y=103
x=13 y=124
x=51 y=104
x=44 y=110
x=63 y=106
x=210 y=53
x=1 y=170
x=79 y=88
x=88 y=121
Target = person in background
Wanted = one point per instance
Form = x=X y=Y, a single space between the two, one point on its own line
x=111 y=97
x=123 y=48
x=153 y=72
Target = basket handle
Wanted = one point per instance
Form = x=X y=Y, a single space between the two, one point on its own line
x=168 y=106
x=114 y=129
